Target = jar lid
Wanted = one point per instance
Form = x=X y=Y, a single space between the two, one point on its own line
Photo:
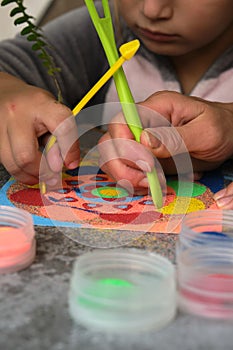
x=17 y=239
x=122 y=290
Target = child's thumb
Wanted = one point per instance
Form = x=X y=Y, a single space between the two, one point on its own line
x=164 y=142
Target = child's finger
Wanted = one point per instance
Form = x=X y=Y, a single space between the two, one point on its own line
x=54 y=158
x=27 y=158
x=67 y=139
x=118 y=128
x=119 y=166
x=8 y=160
x=24 y=148
x=129 y=151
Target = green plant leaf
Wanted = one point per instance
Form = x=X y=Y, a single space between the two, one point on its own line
x=21 y=20
x=38 y=45
x=32 y=37
x=6 y=2
x=27 y=29
x=41 y=42
x=46 y=64
x=15 y=11
x=43 y=56
x=34 y=34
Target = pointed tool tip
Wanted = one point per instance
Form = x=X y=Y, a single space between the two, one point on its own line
x=129 y=49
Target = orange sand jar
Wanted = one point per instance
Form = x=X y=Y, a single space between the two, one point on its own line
x=17 y=239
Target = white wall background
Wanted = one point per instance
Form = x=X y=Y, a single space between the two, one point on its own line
x=36 y=8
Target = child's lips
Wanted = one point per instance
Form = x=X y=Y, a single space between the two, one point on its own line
x=157 y=36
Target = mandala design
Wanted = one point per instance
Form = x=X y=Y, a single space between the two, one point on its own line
x=87 y=200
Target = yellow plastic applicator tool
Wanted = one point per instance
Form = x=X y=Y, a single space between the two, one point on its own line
x=127 y=51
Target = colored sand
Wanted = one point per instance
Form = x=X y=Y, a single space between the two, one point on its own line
x=13 y=242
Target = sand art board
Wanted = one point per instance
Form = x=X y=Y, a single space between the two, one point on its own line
x=88 y=198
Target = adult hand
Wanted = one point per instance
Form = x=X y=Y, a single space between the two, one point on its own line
x=205 y=128
x=28 y=116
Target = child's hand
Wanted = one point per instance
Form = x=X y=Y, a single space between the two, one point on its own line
x=124 y=159
x=28 y=115
x=205 y=128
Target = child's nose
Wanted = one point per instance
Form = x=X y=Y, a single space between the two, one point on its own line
x=157 y=9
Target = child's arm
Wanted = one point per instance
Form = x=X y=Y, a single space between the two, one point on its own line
x=27 y=116
x=205 y=127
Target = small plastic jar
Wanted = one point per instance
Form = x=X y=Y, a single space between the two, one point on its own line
x=122 y=290
x=17 y=239
x=205 y=264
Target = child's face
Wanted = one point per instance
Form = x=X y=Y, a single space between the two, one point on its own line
x=178 y=27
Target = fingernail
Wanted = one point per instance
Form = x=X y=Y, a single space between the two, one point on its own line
x=147 y=138
x=144 y=182
x=144 y=166
x=224 y=201
x=73 y=165
x=220 y=194
x=152 y=139
x=52 y=182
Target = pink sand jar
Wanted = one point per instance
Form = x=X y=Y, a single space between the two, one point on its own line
x=205 y=264
x=17 y=239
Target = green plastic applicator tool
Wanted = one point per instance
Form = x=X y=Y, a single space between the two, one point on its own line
x=104 y=28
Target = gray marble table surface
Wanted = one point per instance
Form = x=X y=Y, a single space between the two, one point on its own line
x=34 y=305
